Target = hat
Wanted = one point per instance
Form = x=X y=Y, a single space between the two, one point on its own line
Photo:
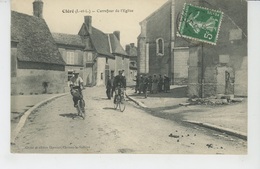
x=75 y=72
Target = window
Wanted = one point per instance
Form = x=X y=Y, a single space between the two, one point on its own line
x=123 y=60
x=106 y=59
x=160 y=47
x=101 y=76
x=70 y=57
x=89 y=57
x=76 y=58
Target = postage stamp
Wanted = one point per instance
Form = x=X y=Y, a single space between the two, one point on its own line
x=199 y=23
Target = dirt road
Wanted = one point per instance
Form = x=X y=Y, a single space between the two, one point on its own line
x=55 y=128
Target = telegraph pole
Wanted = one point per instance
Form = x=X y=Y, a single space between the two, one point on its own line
x=202 y=80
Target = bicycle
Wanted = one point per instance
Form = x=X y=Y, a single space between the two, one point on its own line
x=120 y=100
x=81 y=103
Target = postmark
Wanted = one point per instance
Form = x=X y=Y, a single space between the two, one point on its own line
x=199 y=23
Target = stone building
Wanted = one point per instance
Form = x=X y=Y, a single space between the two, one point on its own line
x=36 y=63
x=93 y=53
x=131 y=50
x=206 y=69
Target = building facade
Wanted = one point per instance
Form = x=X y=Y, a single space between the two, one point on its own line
x=36 y=64
x=93 y=53
x=131 y=50
x=206 y=69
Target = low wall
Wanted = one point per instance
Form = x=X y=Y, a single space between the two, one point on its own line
x=30 y=81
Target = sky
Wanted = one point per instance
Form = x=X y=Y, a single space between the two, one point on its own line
x=54 y=13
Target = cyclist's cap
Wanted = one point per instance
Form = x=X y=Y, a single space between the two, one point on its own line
x=75 y=72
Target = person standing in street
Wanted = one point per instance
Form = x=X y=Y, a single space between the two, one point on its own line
x=146 y=85
x=166 y=84
x=160 y=84
x=136 y=83
x=112 y=86
x=155 y=84
x=108 y=87
x=141 y=84
x=150 y=80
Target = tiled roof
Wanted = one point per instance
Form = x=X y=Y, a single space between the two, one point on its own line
x=68 y=39
x=100 y=42
x=116 y=46
x=36 y=43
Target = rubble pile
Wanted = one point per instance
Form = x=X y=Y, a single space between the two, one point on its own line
x=218 y=100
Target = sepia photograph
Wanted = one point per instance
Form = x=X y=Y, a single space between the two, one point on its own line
x=129 y=77
x=130 y=84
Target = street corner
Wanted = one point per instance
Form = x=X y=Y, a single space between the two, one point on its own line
x=136 y=101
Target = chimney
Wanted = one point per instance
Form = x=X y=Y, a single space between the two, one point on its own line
x=117 y=34
x=88 y=22
x=132 y=45
x=127 y=49
x=38 y=8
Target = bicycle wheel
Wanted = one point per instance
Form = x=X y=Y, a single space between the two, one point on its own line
x=82 y=106
x=79 y=108
x=122 y=104
x=117 y=102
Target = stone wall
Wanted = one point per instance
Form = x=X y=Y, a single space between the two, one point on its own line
x=241 y=79
x=141 y=56
x=30 y=81
x=194 y=72
x=101 y=62
x=13 y=61
x=180 y=66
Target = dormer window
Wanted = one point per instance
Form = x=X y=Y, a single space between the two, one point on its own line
x=159 y=47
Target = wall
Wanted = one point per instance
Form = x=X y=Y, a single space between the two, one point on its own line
x=88 y=68
x=132 y=75
x=232 y=44
x=127 y=69
x=159 y=26
x=112 y=64
x=118 y=63
x=88 y=78
x=101 y=62
x=141 y=55
x=29 y=81
x=241 y=79
x=194 y=72
x=180 y=65
x=13 y=61
x=78 y=61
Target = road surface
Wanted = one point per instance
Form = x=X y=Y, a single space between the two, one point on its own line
x=55 y=128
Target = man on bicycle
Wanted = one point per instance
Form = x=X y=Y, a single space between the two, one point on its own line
x=119 y=84
x=76 y=83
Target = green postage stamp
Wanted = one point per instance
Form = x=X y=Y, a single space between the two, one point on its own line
x=199 y=23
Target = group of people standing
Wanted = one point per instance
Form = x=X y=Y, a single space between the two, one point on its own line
x=153 y=84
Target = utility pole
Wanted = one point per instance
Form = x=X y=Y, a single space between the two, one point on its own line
x=202 y=80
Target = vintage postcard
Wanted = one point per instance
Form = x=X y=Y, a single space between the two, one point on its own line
x=129 y=77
